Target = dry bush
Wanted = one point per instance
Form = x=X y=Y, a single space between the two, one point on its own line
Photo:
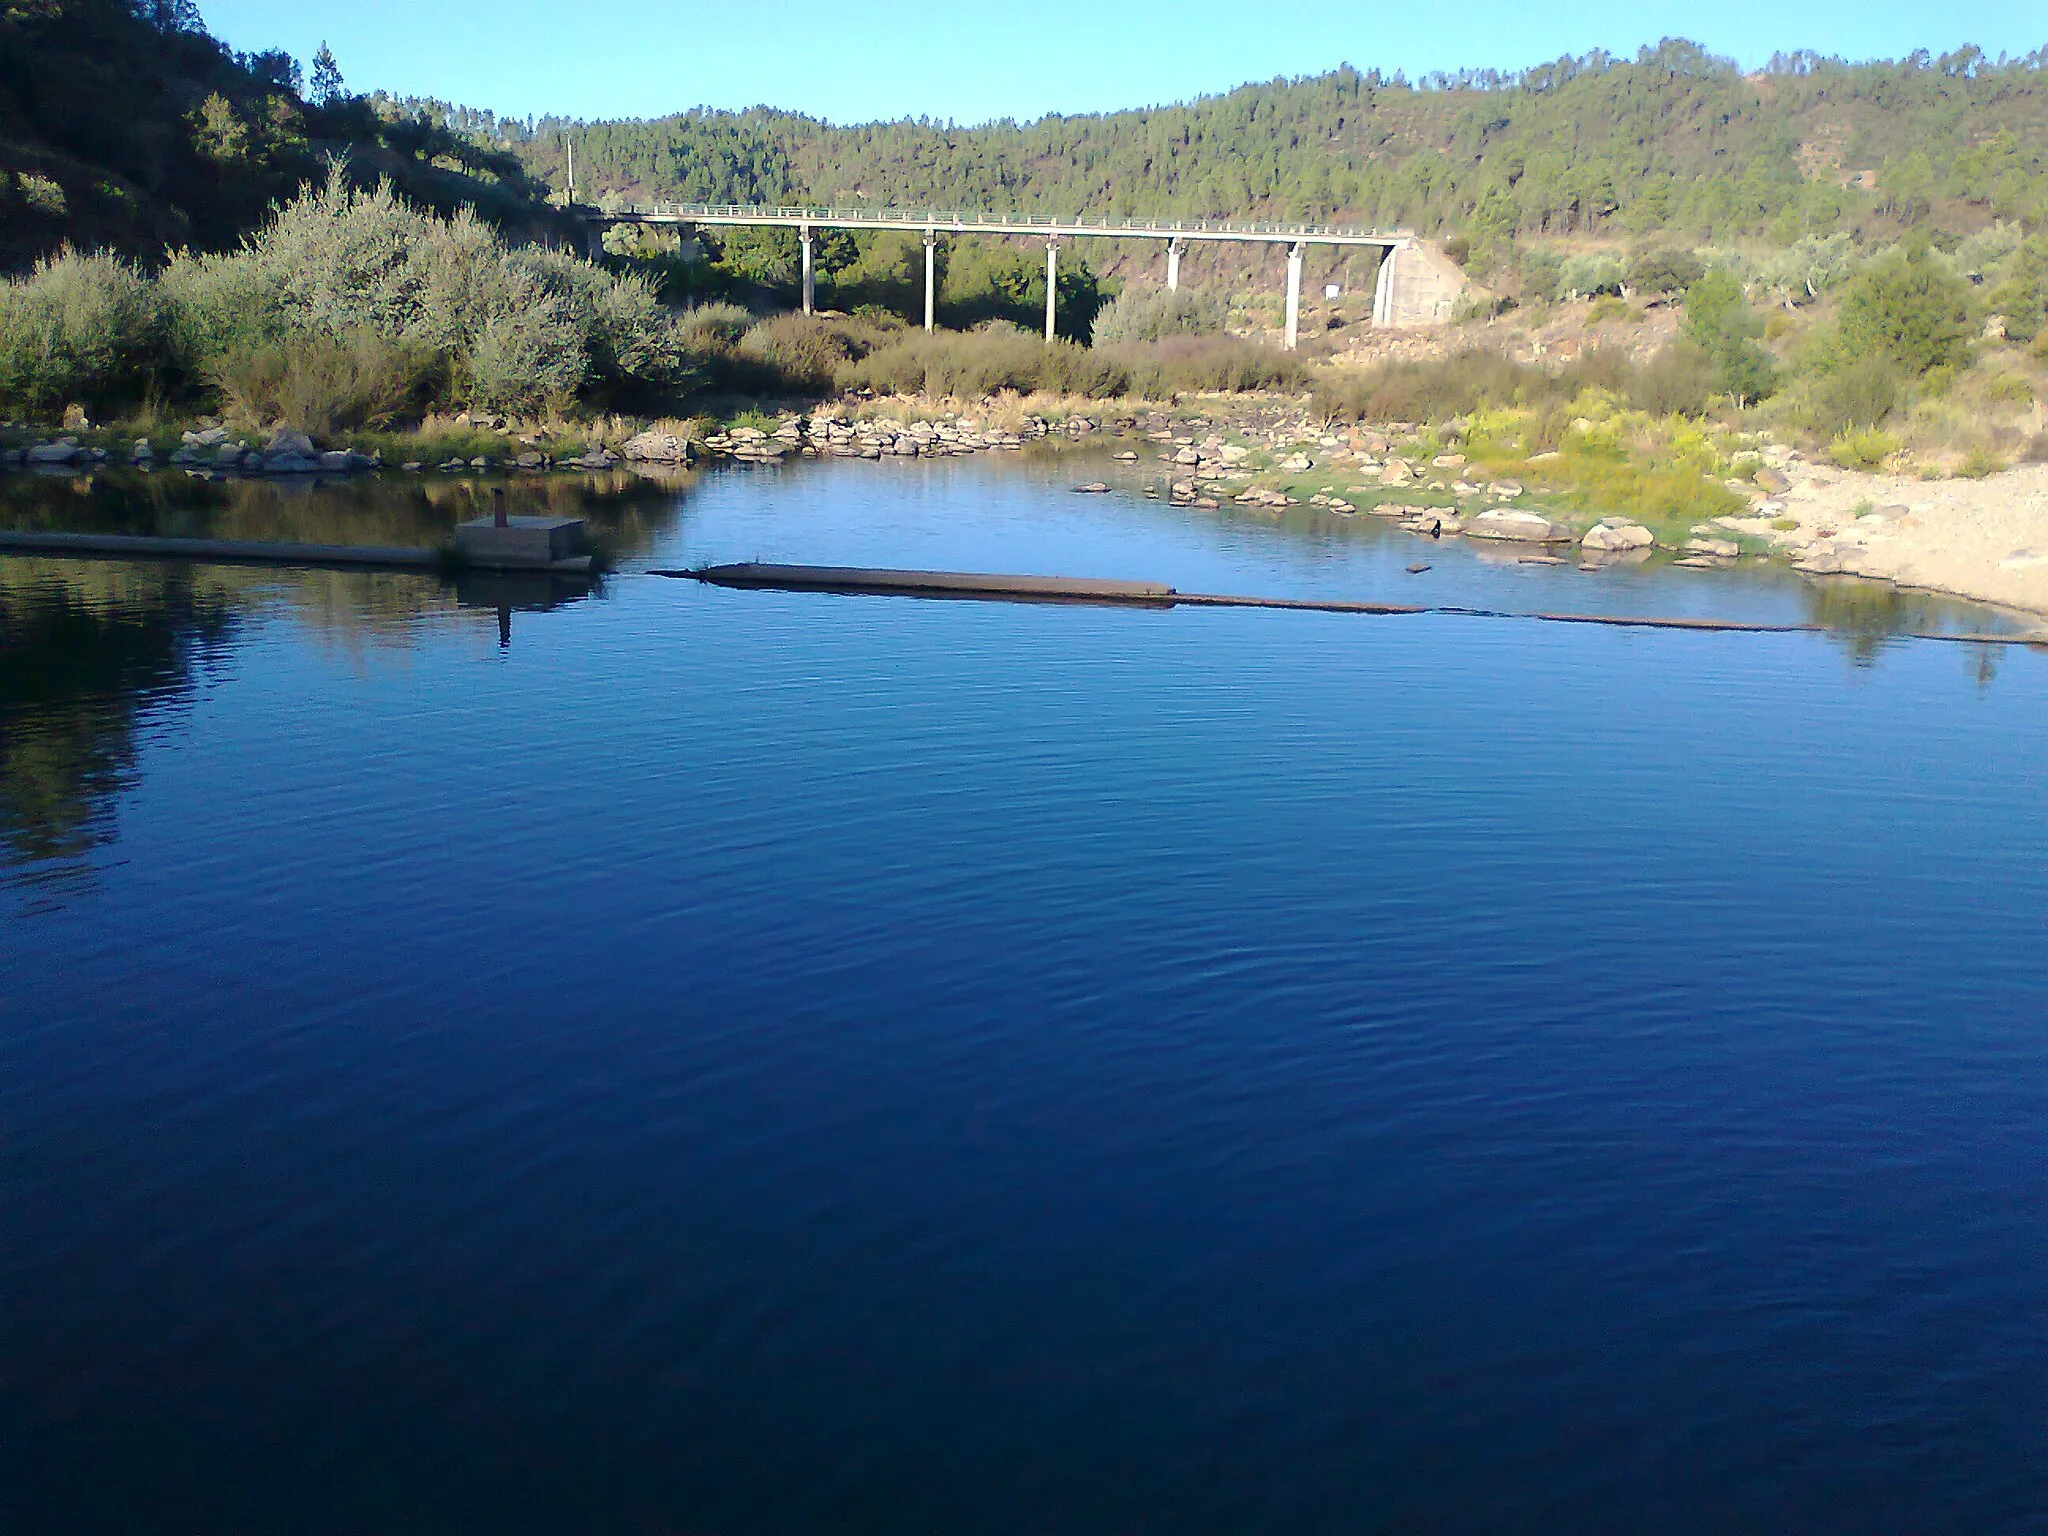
x=323 y=384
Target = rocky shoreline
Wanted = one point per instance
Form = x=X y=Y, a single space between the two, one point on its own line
x=1984 y=540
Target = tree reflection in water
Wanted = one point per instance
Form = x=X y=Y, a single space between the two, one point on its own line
x=87 y=655
x=1866 y=616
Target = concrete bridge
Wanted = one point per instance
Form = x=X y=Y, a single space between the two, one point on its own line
x=1414 y=287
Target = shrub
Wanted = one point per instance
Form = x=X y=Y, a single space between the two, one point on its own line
x=322 y=384
x=1907 y=310
x=1719 y=321
x=85 y=329
x=970 y=365
x=1538 y=272
x=1588 y=274
x=1154 y=314
x=1425 y=391
x=1205 y=363
x=1665 y=269
x=1863 y=448
x=519 y=328
x=709 y=326
x=1677 y=381
x=803 y=353
x=1853 y=396
x=1978 y=463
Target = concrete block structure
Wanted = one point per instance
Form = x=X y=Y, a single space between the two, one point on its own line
x=520 y=543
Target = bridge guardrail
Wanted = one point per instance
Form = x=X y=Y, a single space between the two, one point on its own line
x=963 y=219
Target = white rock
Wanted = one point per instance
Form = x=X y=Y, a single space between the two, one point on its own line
x=1618 y=536
x=1518 y=527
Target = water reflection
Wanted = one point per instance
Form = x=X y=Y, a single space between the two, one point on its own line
x=86 y=656
x=626 y=510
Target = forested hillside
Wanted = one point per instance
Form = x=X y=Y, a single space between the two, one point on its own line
x=1674 y=140
x=125 y=126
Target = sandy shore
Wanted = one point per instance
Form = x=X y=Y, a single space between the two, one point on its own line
x=1984 y=539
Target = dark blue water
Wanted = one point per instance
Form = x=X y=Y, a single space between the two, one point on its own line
x=757 y=1063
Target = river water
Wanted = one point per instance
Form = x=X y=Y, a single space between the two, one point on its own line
x=509 y=1057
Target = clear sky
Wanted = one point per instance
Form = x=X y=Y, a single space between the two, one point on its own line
x=982 y=59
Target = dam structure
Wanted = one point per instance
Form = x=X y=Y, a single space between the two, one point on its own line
x=1415 y=285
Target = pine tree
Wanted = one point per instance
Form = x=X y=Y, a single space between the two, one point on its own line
x=326 y=82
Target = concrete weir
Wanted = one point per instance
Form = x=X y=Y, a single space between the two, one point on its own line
x=858 y=580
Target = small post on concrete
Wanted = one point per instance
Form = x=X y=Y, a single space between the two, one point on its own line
x=1052 y=284
x=1383 y=291
x=931 y=280
x=1293 y=294
x=498 y=507
x=1173 y=250
x=803 y=234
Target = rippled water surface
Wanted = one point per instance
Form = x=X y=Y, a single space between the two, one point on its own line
x=742 y=1062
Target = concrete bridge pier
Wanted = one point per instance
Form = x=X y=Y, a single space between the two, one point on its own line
x=1052 y=283
x=1383 y=291
x=1173 y=250
x=1294 y=252
x=931 y=280
x=803 y=235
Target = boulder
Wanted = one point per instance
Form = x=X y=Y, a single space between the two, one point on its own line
x=289 y=464
x=63 y=451
x=339 y=461
x=1772 y=481
x=1611 y=537
x=1517 y=527
x=284 y=440
x=211 y=437
x=532 y=460
x=651 y=447
x=1296 y=463
x=1397 y=473
x=1719 y=549
x=1448 y=461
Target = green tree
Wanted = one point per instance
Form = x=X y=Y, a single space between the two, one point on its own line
x=1719 y=321
x=1908 y=309
x=2022 y=297
x=326 y=86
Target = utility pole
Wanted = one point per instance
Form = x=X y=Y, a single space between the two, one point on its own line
x=571 y=148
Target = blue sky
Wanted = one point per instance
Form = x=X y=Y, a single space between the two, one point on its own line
x=979 y=60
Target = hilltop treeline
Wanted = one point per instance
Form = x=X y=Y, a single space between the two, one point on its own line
x=1674 y=140
x=125 y=126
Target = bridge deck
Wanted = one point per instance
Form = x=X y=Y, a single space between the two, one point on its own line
x=957 y=221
